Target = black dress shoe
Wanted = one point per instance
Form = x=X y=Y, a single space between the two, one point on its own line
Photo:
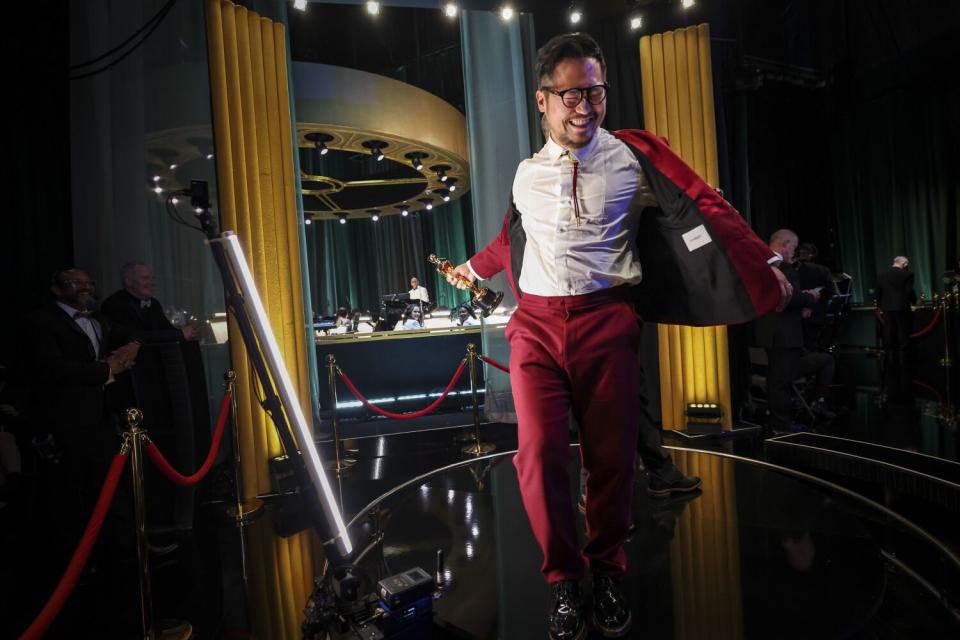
x=611 y=612
x=565 y=620
x=669 y=480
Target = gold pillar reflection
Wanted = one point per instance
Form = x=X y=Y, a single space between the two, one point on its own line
x=257 y=199
x=678 y=105
x=705 y=554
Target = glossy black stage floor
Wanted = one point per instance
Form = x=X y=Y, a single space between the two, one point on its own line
x=761 y=552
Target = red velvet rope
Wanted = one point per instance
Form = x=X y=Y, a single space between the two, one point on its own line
x=69 y=579
x=919 y=334
x=494 y=363
x=405 y=416
x=188 y=481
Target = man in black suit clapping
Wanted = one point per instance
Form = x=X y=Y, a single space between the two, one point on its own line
x=136 y=310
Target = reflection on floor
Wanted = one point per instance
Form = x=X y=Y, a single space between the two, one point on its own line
x=757 y=554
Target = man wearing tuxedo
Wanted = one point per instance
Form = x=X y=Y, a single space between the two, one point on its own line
x=73 y=360
x=135 y=309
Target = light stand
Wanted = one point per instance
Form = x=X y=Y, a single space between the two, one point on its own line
x=265 y=358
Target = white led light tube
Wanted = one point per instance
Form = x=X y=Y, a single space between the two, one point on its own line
x=278 y=371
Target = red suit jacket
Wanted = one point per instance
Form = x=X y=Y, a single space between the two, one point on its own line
x=725 y=280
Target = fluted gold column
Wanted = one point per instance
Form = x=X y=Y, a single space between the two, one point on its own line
x=257 y=199
x=705 y=554
x=678 y=105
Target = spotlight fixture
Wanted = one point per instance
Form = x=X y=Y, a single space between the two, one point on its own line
x=427 y=203
x=158 y=190
x=156 y=178
x=451 y=184
x=209 y=156
x=173 y=166
x=301 y=5
x=450 y=9
x=416 y=159
x=374 y=214
x=506 y=13
x=373 y=8
x=308 y=221
x=686 y=4
x=404 y=209
x=443 y=193
x=636 y=22
x=342 y=217
x=174 y=200
x=575 y=14
x=319 y=140
x=376 y=148
x=441 y=170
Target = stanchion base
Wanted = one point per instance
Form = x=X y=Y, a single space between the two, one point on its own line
x=246 y=513
x=479 y=448
x=340 y=467
x=173 y=630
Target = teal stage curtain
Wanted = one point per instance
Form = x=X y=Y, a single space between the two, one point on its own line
x=896 y=186
x=352 y=264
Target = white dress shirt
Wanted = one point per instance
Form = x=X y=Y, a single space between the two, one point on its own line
x=89 y=326
x=420 y=293
x=562 y=257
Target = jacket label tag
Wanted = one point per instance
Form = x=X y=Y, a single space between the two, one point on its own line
x=696 y=238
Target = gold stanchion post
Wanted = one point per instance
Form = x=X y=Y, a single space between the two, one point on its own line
x=341 y=463
x=478 y=447
x=245 y=510
x=134 y=439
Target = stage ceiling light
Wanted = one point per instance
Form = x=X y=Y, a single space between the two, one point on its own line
x=373 y=8
x=636 y=22
x=575 y=15
x=450 y=9
x=342 y=217
x=374 y=214
x=506 y=13
x=686 y=4
x=307 y=221
x=427 y=203
x=300 y=4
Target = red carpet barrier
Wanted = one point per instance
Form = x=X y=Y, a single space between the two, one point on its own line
x=188 y=481
x=405 y=416
x=81 y=555
x=494 y=363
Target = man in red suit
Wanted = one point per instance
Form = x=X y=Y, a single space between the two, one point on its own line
x=601 y=226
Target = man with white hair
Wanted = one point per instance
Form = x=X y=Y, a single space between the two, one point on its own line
x=135 y=309
x=895 y=294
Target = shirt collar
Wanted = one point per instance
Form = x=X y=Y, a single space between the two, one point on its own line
x=70 y=311
x=555 y=151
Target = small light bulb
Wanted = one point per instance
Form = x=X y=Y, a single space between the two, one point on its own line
x=343 y=220
x=158 y=190
x=506 y=13
x=635 y=23
x=173 y=166
x=174 y=200
x=453 y=188
x=446 y=198
x=324 y=151
x=374 y=217
x=373 y=8
x=575 y=16
x=429 y=206
x=686 y=4
x=308 y=221
x=197 y=210
x=209 y=156
x=156 y=178
x=405 y=212
x=300 y=4
x=450 y=9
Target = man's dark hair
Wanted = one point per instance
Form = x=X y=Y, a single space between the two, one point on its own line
x=566 y=46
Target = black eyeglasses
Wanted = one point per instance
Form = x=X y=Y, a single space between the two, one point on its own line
x=78 y=283
x=572 y=97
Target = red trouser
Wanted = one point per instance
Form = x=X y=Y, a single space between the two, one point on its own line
x=578 y=353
